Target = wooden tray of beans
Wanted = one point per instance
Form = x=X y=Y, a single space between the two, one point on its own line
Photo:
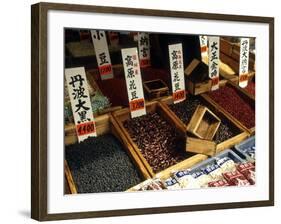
x=228 y=133
x=105 y=163
x=158 y=140
x=234 y=104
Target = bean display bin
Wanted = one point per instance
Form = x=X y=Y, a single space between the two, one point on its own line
x=226 y=153
x=228 y=104
x=244 y=147
x=104 y=124
x=187 y=159
x=219 y=144
x=155 y=89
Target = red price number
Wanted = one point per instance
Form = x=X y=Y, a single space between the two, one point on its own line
x=179 y=95
x=105 y=69
x=243 y=78
x=137 y=104
x=86 y=128
x=144 y=63
x=215 y=81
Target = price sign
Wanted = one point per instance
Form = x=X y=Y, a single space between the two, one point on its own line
x=144 y=49
x=214 y=52
x=102 y=54
x=203 y=46
x=133 y=81
x=80 y=102
x=177 y=73
x=244 y=62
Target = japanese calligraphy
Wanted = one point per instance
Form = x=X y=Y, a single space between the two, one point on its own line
x=177 y=73
x=244 y=62
x=133 y=81
x=214 y=54
x=80 y=102
x=203 y=45
x=102 y=54
x=144 y=49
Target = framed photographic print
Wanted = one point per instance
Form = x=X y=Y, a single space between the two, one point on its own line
x=138 y=111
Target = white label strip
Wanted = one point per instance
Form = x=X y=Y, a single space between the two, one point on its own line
x=80 y=102
x=133 y=81
x=204 y=46
x=177 y=72
x=244 y=62
x=214 y=54
x=102 y=54
x=144 y=49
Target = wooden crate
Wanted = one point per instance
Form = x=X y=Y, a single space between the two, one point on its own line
x=246 y=95
x=233 y=51
x=203 y=123
x=155 y=89
x=104 y=124
x=197 y=87
x=202 y=146
x=124 y=114
x=207 y=146
x=230 y=55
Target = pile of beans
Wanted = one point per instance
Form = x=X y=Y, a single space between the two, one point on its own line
x=225 y=131
x=185 y=109
x=232 y=101
x=251 y=88
x=101 y=165
x=157 y=140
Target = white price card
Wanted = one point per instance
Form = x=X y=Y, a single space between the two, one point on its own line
x=144 y=49
x=214 y=56
x=244 y=62
x=177 y=72
x=102 y=54
x=80 y=102
x=133 y=81
x=203 y=46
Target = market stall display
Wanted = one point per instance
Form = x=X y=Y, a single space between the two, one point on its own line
x=203 y=139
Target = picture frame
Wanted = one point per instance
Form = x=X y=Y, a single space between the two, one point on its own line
x=40 y=108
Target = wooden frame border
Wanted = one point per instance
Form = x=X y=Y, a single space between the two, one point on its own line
x=39 y=110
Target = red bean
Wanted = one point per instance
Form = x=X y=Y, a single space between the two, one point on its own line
x=233 y=102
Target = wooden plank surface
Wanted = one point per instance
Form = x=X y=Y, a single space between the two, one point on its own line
x=69 y=178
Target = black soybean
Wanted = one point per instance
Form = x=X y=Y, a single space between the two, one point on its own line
x=101 y=165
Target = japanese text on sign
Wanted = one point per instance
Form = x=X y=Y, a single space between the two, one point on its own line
x=214 y=51
x=144 y=49
x=133 y=81
x=244 y=62
x=102 y=54
x=80 y=102
x=203 y=45
x=177 y=72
